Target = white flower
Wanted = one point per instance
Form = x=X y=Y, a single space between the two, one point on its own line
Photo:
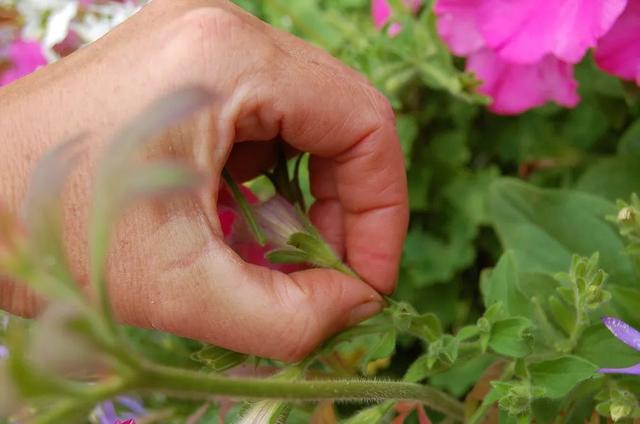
x=101 y=18
x=47 y=20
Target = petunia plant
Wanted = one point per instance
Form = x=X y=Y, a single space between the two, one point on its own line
x=518 y=292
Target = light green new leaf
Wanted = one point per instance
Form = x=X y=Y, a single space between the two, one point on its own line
x=510 y=337
x=557 y=377
x=218 y=359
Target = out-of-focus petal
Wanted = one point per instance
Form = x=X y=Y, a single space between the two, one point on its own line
x=381 y=12
x=458 y=25
x=618 y=52
x=525 y=31
x=517 y=88
x=623 y=331
x=634 y=370
x=25 y=57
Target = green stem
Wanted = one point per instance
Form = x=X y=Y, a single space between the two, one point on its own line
x=340 y=266
x=194 y=384
x=245 y=208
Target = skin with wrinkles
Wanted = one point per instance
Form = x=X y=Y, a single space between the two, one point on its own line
x=169 y=267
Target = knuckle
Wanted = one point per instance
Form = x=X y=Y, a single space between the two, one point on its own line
x=382 y=106
x=208 y=23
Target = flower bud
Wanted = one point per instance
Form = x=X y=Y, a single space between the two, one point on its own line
x=279 y=220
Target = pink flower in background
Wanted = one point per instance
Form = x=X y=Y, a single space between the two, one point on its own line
x=458 y=25
x=524 y=50
x=618 y=52
x=381 y=13
x=516 y=88
x=525 y=31
x=25 y=57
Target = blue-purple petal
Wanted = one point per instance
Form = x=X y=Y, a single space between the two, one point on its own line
x=108 y=413
x=633 y=370
x=623 y=331
x=133 y=404
x=4 y=352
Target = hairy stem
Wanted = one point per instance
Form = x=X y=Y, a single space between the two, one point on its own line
x=194 y=384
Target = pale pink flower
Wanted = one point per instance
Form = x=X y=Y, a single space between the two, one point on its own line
x=516 y=88
x=238 y=237
x=381 y=12
x=25 y=57
x=618 y=52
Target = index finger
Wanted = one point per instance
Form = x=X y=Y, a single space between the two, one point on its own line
x=333 y=115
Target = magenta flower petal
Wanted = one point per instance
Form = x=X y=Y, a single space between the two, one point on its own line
x=618 y=52
x=458 y=25
x=634 y=370
x=381 y=12
x=25 y=57
x=525 y=31
x=517 y=88
x=623 y=331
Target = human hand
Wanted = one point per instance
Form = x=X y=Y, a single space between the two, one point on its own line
x=169 y=267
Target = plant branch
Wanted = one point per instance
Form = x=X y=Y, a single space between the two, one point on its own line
x=194 y=384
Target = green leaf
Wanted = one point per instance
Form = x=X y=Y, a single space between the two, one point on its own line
x=510 y=337
x=627 y=301
x=600 y=347
x=383 y=348
x=373 y=414
x=559 y=376
x=462 y=375
x=501 y=286
x=287 y=256
x=546 y=227
x=630 y=140
x=612 y=178
x=218 y=359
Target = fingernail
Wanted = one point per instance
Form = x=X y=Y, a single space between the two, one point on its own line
x=364 y=311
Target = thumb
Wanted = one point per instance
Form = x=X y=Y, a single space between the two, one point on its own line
x=202 y=290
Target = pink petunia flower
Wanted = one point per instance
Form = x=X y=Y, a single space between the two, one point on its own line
x=618 y=52
x=526 y=31
x=523 y=50
x=381 y=13
x=516 y=88
x=25 y=57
